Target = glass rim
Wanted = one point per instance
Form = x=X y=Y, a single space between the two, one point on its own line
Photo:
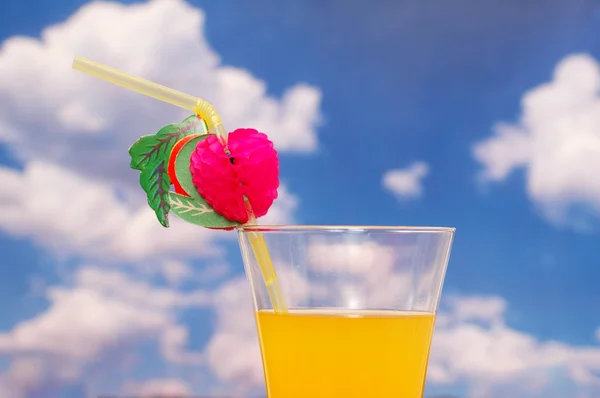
x=344 y=228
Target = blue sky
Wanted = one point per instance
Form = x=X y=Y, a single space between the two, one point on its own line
x=383 y=86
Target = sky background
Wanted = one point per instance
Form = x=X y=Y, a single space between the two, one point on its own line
x=482 y=115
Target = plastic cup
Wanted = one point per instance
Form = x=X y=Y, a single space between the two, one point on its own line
x=362 y=303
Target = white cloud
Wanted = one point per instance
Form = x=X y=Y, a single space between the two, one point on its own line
x=66 y=212
x=501 y=154
x=104 y=311
x=158 y=388
x=233 y=352
x=282 y=211
x=473 y=344
x=408 y=182
x=30 y=376
x=556 y=141
x=176 y=272
x=487 y=309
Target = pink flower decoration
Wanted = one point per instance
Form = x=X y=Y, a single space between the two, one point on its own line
x=251 y=170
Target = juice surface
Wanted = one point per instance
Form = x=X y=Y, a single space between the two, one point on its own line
x=334 y=354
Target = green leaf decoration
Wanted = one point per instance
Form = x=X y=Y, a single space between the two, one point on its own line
x=197 y=211
x=155 y=181
x=182 y=167
x=150 y=154
x=149 y=148
x=152 y=148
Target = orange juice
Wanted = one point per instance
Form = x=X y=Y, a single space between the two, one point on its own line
x=345 y=354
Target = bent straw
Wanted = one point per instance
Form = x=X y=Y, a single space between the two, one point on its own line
x=215 y=126
x=151 y=89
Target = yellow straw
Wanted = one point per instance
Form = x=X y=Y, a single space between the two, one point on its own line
x=263 y=258
x=215 y=126
x=143 y=86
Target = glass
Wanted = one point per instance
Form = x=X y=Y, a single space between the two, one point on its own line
x=362 y=304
